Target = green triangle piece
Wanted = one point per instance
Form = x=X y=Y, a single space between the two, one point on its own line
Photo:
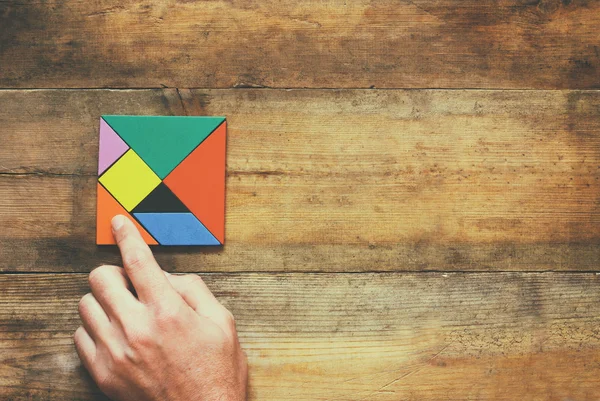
x=163 y=141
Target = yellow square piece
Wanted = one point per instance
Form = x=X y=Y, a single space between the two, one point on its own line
x=129 y=180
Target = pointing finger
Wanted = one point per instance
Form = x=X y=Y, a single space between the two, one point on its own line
x=145 y=274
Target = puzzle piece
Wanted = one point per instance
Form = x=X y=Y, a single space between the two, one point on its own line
x=108 y=208
x=138 y=152
x=176 y=229
x=161 y=199
x=199 y=181
x=129 y=180
x=163 y=142
x=111 y=147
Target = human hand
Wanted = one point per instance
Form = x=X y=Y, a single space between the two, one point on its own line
x=173 y=342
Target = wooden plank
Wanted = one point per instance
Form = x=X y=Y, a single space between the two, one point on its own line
x=429 y=336
x=326 y=180
x=42 y=232
x=330 y=43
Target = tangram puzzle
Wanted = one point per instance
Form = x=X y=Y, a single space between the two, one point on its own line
x=167 y=174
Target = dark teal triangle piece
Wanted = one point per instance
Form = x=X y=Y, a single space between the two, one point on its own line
x=163 y=141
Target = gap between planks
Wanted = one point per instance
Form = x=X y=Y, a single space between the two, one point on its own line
x=274 y=88
x=325 y=273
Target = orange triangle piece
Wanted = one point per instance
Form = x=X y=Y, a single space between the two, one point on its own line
x=108 y=208
x=199 y=182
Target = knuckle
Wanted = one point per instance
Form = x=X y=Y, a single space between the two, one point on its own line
x=228 y=317
x=167 y=314
x=218 y=337
x=193 y=279
x=101 y=381
x=138 y=339
x=118 y=356
x=136 y=260
x=137 y=331
x=104 y=381
x=228 y=326
x=97 y=276
x=77 y=336
x=223 y=341
x=84 y=303
x=190 y=283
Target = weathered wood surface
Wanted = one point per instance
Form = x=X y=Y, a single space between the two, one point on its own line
x=423 y=336
x=326 y=180
x=331 y=43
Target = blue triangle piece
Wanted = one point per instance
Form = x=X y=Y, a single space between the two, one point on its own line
x=176 y=229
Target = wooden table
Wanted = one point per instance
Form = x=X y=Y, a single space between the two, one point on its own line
x=413 y=187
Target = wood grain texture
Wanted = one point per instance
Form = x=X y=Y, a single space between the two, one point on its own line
x=428 y=336
x=328 y=180
x=332 y=43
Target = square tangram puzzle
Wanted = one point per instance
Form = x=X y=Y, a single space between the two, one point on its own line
x=167 y=174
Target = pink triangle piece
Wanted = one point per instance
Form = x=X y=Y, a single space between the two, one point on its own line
x=111 y=147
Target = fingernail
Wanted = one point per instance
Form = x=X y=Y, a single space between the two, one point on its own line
x=117 y=222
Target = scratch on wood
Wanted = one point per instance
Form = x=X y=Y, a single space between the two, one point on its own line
x=106 y=11
x=407 y=374
x=308 y=22
x=182 y=102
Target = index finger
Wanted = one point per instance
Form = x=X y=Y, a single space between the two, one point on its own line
x=145 y=274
